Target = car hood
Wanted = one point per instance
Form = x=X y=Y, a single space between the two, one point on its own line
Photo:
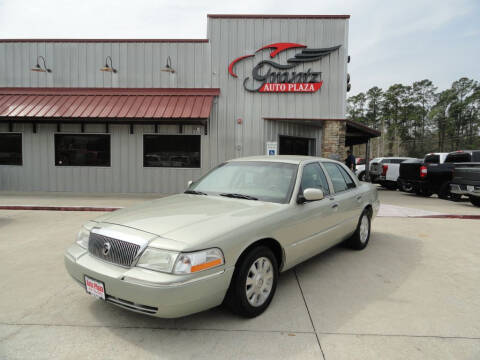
x=190 y=218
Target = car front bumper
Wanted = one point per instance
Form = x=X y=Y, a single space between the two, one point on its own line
x=150 y=292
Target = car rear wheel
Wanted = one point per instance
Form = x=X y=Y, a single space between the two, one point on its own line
x=475 y=200
x=253 y=283
x=444 y=190
x=360 y=238
x=361 y=176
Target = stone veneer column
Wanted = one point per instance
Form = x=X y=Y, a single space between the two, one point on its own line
x=333 y=144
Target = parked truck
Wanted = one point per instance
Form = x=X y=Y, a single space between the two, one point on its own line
x=385 y=171
x=466 y=181
x=434 y=174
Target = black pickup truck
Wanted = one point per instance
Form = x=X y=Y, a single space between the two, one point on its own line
x=427 y=178
x=466 y=181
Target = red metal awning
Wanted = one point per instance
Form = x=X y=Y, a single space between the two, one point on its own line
x=105 y=105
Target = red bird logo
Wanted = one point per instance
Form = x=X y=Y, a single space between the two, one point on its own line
x=305 y=56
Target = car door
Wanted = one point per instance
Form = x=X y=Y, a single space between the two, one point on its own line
x=313 y=221
x=346 y=198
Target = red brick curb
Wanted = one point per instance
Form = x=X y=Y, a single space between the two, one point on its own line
x=57 y=208
x=447 y=216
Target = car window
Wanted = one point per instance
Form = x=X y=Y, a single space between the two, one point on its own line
x=347 y=177
x=458 y=157
x=313 y=177
x=339 y=183
x=432 y=159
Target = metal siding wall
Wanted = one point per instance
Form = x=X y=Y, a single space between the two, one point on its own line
x=197 y=65
x=126 y=173
x=231 y=38
x=78 y=64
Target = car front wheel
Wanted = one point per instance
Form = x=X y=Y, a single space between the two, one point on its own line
x=253 y=283
x=475 y=200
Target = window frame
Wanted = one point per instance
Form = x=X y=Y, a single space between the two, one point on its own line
x=82 y=166
x=21 y=146
x=330 y=186
x=329 y=178
x=344 y=172
x=170 y=167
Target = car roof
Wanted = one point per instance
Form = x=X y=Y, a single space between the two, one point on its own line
x=292 y=159
x=393 y=157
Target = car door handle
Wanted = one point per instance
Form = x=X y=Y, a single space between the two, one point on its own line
x=334 y=205
x=359 y=197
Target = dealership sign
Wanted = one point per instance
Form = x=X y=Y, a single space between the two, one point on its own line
x=280 y=78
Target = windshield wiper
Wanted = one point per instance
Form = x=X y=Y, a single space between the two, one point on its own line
x=238 y=196
x=194 y=192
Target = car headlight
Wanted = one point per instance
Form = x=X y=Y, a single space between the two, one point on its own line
x=180 y=263
x=197 y=261
x=158 y=260
x=84 y=234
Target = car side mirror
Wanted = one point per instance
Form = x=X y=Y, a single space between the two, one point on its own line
x=189 y=183
x=312 y=194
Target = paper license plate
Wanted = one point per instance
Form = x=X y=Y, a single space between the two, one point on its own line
x=470 y=188
x=95 y=288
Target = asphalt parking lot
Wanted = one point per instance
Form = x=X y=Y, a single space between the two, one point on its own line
x=412 y=294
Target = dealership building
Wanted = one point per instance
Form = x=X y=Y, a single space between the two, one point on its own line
x=148 y=115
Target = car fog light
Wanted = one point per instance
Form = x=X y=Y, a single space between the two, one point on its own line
x=197 y=261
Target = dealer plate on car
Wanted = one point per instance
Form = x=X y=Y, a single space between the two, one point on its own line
x=95 y=288
x=470 y=188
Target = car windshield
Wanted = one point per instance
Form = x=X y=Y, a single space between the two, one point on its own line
x=251 y=180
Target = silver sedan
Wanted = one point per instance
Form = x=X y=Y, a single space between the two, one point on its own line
x=225 y=239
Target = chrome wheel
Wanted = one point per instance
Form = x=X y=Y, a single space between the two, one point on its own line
x=259 y=281
x=364 y=229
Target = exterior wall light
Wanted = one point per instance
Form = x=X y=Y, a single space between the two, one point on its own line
x=108 y=68
x=39 y=68
x=168 y=67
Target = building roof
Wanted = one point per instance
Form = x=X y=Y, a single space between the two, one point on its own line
x=275 y=16
x=357 y=133
x=105 y=40
x=114 y=105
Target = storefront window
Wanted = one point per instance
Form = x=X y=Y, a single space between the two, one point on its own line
x=10 y=149
x=180 y=151
x=82 y=150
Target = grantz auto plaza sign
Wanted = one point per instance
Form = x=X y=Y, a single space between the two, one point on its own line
x=281 y=78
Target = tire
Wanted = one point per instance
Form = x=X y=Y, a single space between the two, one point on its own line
x=391 y=186
x=361 y=176
x=360 y=238
x=455 y=197
x=251 y=299
x=406 y=187
x=475 y=200
x=444 y=191
x=426 y=193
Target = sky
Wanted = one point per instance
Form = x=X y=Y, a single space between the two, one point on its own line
x=389 y=41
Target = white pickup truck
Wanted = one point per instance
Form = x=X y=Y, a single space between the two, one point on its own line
x=386 y=170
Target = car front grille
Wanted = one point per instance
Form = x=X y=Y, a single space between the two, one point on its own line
x=119 y=252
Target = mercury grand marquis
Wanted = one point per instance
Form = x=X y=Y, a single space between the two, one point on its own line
x=225 y=239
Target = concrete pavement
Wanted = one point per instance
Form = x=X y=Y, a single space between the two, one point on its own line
x=412 y=294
